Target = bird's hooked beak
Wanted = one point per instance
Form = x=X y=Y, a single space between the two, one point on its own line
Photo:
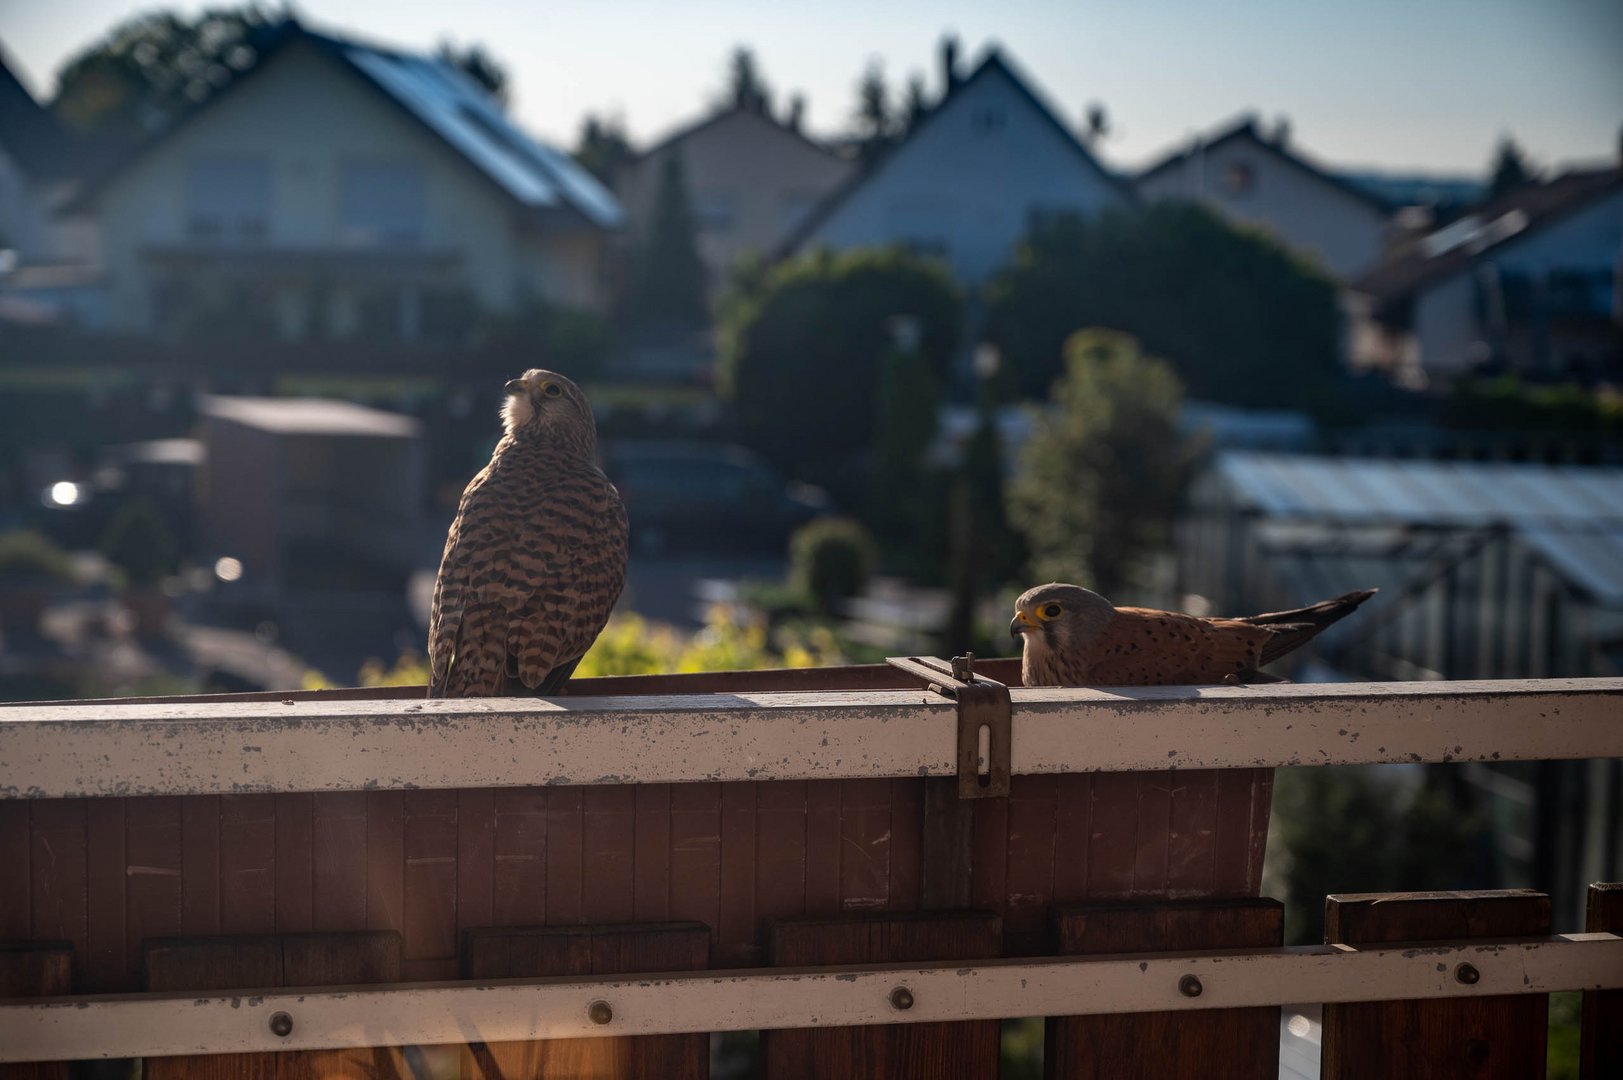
x=1022 y=623
x=515 y=387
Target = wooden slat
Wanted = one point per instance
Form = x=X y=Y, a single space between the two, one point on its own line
x=651 y=873
x=780 y=846
x=57 y=863
x=338 y=861
x=270 y=961
x=1153 y=817
x=385 y=860
x=520 y=852
x=1192 y=824
x=200 y=864
x=609 y=843
x=107 y=959
x=1073 y=830
x=1237 y=868
x=531 y=952
x=36 y=969
x=429 y=925
x=248 y=864
x=696 y=854
x=885 y=1052
x=295 y=888
x=1221 y=1044
x=1489 y=1037
x=1033 y=814
x=16 y=881
x=864 y=844
x=736 y=919
x=822 y=847
x=565 y=855
x=1113 y=840
x=946 y=846
x=153 y=837
x=1601 y=1054
x=906 y=836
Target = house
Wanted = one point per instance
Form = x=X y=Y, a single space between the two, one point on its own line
x=969 y=180
x=1525 y=284
x=341 y=190
x=751 y=181
x=40 y=164
x=1257 y=179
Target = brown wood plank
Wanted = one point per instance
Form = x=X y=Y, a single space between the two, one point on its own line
x=200 y=864
x=295 y=889
x=1153 y=833
x=1223 y=1044
x=906 y=839
x=609 y=839
x=989 y=864
x=736 y=936
x=651 y=870
x=780 y=850
x=888 y=1051
x=338 y=860
x=1241 y=797
x=152 y=831
x=1113 y=836
x=1191 y=842
x=475 y=857
x=385 y=860
x=1262 y=803
x=1073 y=828
x=1601 y=1051
x=565 y=856
x=520 y=852
x=1033 y=809
x=35 y=969
x=822 y=847
x=696 y=855
x=946 y=846
x=1490 y=1036
x=429 y=918
x=247 y=864
x=16 y=878
x=106 y=966
x=864 y=844
x=536 y=952
x=57 y=848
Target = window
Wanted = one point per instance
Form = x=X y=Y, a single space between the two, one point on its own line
x=1239 y=179
x=228 y=200
x=381 y=203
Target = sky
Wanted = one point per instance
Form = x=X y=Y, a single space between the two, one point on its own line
x=1426 y=85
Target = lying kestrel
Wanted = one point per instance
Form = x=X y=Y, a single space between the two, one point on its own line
x=536 y=556
x=1073 y=637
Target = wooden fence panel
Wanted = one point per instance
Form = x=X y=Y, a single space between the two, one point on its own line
x=885 y=1052
x=266 y=961
x=1493 y=1037
x=1602 y=1049
x=1222 y=1044
x=36 y=970
x=535 y=952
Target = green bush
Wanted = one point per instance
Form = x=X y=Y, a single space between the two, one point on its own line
x=566 y=340
x=28 y=558
x=1241 y=319
x=803 y=349
x=140 y=544
x=830 y=561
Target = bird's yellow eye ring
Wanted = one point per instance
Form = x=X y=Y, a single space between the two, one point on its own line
x=1049 y=611
x=552 y=389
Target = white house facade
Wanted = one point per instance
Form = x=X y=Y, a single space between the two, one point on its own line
x=969 y=181
x=1254 y=180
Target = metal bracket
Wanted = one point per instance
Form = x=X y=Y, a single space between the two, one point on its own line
x=983 y=712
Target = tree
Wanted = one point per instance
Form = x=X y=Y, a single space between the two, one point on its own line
x=479 y=66
x=1240 y=319
x=1511 y=169
x=150 y=68
x=746 y=87
x=875 y=125
x=917 y=105
x=906 y=409
x=1098 y=482
x=801 y=355
x=603 y=149
x=668 y=277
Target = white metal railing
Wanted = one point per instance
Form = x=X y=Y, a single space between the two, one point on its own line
x=60 y=751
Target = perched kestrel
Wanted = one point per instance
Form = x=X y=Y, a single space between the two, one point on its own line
x=1073 y=637
x=537 y=553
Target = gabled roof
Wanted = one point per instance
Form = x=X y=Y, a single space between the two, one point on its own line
x=451 y=107
x=29 y=134
x=1245 y=127
x=1443 y=252
x=993 y=63
x=727 y=112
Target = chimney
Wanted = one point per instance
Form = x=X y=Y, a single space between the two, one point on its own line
x=949 y=63
x=797 y=112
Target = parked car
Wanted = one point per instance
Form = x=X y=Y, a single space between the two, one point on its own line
x=707 y=496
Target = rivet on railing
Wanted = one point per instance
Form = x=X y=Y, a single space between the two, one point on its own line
x=901 y=998
x=1189 y=986
x=1467 y=974
x=599 y=1012
x=281 y=1024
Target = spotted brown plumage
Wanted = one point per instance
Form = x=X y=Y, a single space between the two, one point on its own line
x=536 y=556
x=1073 y=637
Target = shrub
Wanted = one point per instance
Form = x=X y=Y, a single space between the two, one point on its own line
x=830 y=560
x=140 y=544
x=28 y=558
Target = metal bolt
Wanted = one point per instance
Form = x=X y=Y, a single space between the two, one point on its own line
x=1189 y=986
x=281 y=1024
x=1467 y=974
x=901 y=998
x=599 y=1012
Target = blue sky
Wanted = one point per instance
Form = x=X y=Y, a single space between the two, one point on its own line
x=1427 y=84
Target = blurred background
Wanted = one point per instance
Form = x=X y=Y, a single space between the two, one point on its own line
x=886 y=315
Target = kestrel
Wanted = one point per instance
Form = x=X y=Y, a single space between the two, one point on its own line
x=536 y=556
x=1074 y=637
